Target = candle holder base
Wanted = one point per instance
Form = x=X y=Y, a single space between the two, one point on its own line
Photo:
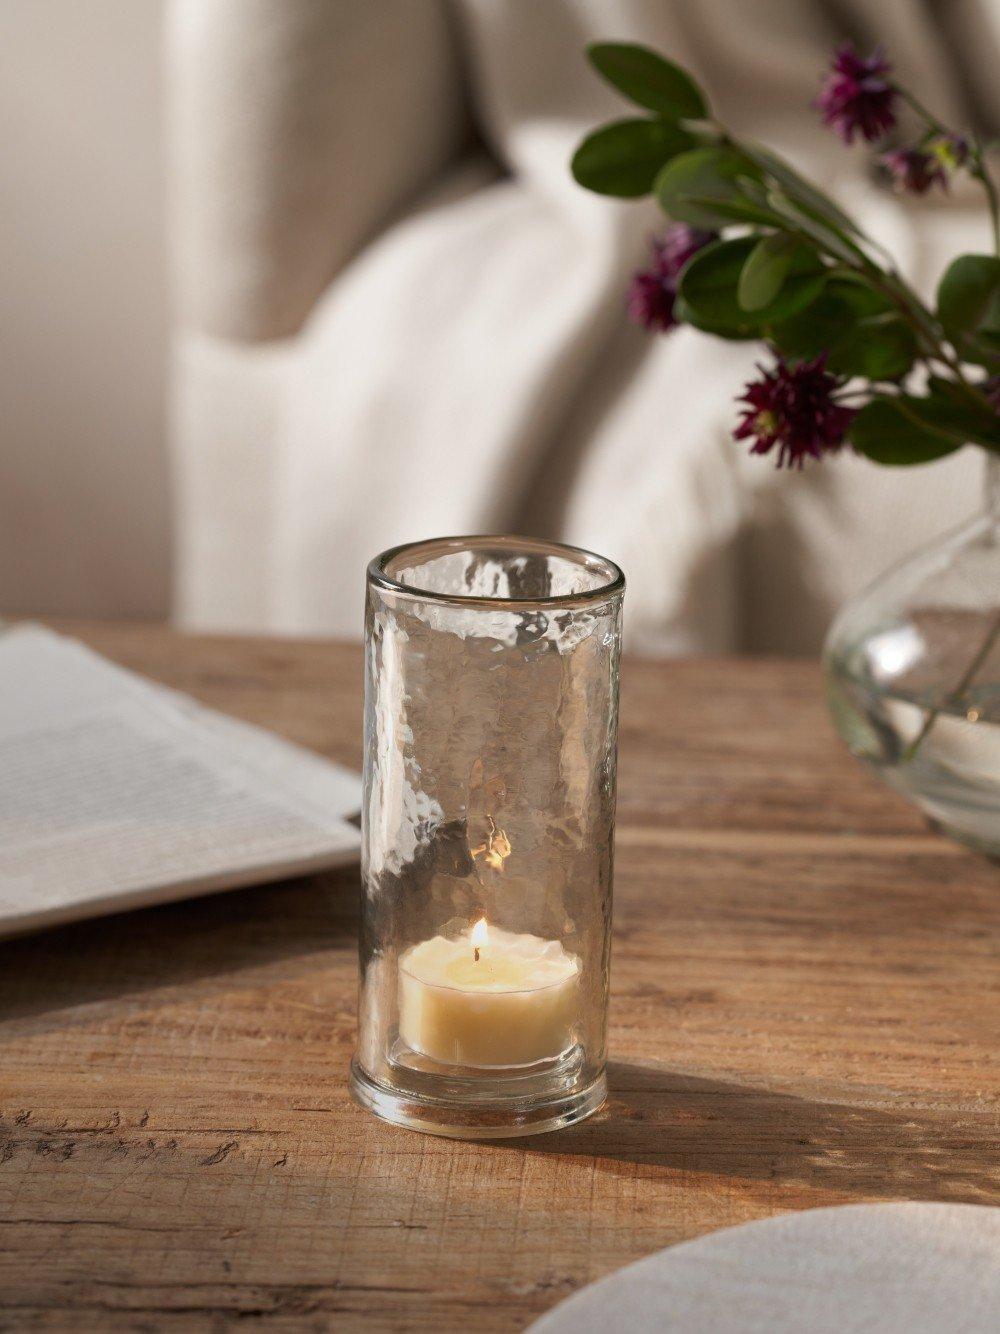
x=484 y=1118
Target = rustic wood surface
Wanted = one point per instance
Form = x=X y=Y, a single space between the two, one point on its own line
x=806 y=1011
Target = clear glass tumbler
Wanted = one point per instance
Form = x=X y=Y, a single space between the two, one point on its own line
x=491 y=721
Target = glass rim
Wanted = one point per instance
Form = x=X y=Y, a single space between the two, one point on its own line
x=613 y=584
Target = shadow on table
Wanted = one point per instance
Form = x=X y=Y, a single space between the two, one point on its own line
x=662 y=1119
x=177 y=943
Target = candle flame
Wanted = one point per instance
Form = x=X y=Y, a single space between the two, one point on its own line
x=480 y=933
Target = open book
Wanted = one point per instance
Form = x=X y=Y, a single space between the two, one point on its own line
x=116 y=792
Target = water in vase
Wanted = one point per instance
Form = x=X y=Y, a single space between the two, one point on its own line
x=946 y=760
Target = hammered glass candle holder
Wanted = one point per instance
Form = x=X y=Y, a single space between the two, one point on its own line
x=491 y=720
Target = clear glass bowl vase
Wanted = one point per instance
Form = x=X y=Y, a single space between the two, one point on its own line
x=913 y=676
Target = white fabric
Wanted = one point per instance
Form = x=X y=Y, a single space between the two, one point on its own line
x=465 y=364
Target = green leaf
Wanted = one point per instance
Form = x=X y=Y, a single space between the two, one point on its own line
x=968 y=297
x=948 y=407
x=623 y=158
x=941 y=388
x=689 y=187
x=804 y=193
x=707 y=290
x=857 y=326
x=744 y=331
x=793 y=215
x=880 y=348
x=805 y=220
x=649 y=80
x=765 y=270
x=709 y=281
x=982 y=348
x=884 y=432
x=816 y=329
x=736 y=210
x=864 y=299
x=945 y=416
x=705 y=133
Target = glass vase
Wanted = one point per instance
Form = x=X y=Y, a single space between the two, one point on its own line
x=913 y=676
x=491 y=717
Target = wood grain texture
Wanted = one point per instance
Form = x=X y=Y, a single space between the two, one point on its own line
x=806 y=1011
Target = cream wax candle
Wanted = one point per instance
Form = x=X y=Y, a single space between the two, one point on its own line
x=488 y=998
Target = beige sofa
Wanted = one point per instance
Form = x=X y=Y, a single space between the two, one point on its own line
x=398 y=316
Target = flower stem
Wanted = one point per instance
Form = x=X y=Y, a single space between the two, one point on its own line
x=992 y=637
x=986 y=180
x=977 y=170
x=936 y=125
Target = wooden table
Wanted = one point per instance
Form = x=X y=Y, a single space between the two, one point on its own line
x=805 y=1012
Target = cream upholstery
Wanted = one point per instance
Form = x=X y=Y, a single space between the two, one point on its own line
x=392 y=326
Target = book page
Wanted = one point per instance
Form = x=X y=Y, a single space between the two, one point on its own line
x=116 y=792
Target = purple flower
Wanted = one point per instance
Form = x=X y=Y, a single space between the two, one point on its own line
x=653 y=291
x=651 y=301
x=793 y=407
x=915 y=171
x=857 y=97
x=951 y=150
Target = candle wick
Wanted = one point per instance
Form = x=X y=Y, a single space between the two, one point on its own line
x=475 y=955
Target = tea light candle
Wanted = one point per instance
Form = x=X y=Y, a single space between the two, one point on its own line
x=488 y=998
